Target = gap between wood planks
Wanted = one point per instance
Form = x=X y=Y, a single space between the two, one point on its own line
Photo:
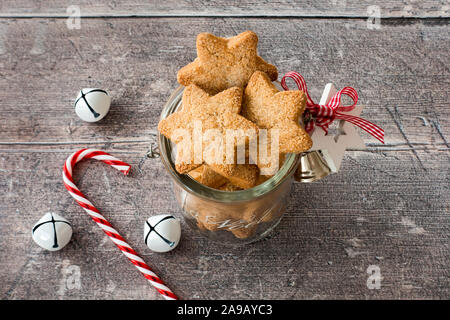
x=54 y=143
x=231 y=16
x=401 y=146
x=373 y=148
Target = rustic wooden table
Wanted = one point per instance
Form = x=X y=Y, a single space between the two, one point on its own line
x=388 y=207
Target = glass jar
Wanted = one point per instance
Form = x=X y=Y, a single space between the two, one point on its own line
x=236 y=217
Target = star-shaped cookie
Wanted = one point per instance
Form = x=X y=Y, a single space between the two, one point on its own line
x=270 y=108
x=223 y=63
x=208 y=177
x=199 y=130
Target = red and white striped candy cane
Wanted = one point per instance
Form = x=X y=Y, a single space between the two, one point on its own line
x=102 y=222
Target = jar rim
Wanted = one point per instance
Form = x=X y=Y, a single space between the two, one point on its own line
x=194 y=187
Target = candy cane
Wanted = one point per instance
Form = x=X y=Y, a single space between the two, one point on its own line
x=102 y=222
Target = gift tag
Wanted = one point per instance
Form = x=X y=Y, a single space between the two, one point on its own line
x=331 y=146
x=328 y=150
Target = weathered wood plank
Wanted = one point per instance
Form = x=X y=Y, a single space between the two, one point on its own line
x=400 y=72
x=220 y=8
x=387 y=207
x=373 y=213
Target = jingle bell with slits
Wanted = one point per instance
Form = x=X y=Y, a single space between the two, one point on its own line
x=52 y=232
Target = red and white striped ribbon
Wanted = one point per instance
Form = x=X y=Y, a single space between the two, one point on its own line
x=324 y=115
x=120 y=242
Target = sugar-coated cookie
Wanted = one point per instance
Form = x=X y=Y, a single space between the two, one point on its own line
x=205 y=175
x=270 y=108
x=223 y=63
x=196 y=127
x=228 y=186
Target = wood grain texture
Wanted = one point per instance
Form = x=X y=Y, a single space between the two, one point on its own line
x=234 y=8
x=387 y=207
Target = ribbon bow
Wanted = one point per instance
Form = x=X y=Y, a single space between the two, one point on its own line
x=324 y=115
